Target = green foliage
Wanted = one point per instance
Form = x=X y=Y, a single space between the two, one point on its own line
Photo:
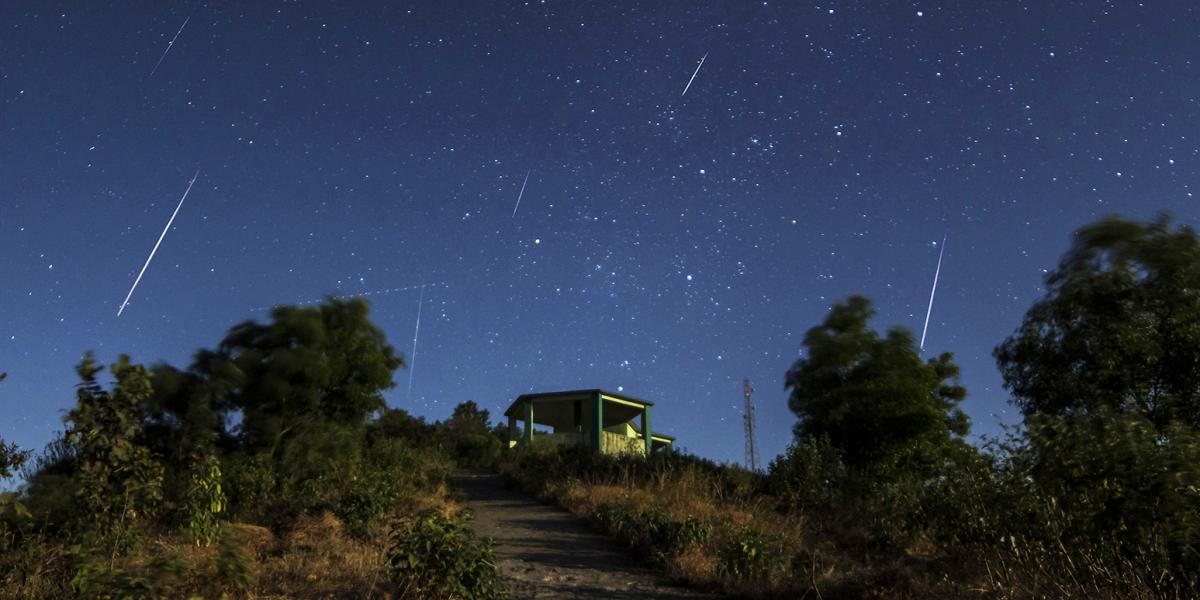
x=164 y=576
x=167 y=574
x=433 y=556
x=396 y=423
x=652 y=531
x=232 y=566
x=542 y=471
x=364 y=502
x=480 y=450
x=751 y=556
x=471 y=436
x=1117 y=329
x=1106 y=370
x=469 y=418
x=809 y=475
x=312 y=365
x=204 y=500
x=876 y=401
x=119 y=482
x=313 y=467
x=11 y=459
x=250 y=481
x=183 y=417
x=1121 y=482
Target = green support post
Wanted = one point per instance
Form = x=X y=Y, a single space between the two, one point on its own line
x=528 y=423
x=646 y=429
x=598 y=425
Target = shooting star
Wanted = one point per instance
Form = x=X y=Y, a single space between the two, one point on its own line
x=689 y=83
x=522 y=193
x=358 y=295
x=171 y=43
x=936 y=272
x=412 y=363
x=155 y=249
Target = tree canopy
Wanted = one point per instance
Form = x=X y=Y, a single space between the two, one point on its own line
x=1118 y=328
x=327 y=362
x=874 y=398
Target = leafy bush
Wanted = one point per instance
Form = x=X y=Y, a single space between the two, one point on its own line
x=250 y=480
x=233 y=565
x=751 y=556
x=434 y=556
x=809 y=475
x=162 y=577
x=120 y=482
x=204 y=500
x=652 y=531
x=479 y=450
x=366 y=500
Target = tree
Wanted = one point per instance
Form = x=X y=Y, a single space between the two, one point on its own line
x=1118 y=328
x=11 y=456
x=398 y=424
x=872 y=397
x=469 y=418
x=119 y=481
x=471 y=435
x=1106 y=370
x=325 y=363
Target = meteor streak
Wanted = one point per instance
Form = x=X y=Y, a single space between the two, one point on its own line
x=362 y=294
x=155 y=249
x=522 y=193
x=933 y=291
x=689 y=83
x=412 y=363
x=171 y=43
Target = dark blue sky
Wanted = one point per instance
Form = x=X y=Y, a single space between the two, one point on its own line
x=665 y=245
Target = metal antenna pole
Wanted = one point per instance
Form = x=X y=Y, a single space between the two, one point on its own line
x=748 y=417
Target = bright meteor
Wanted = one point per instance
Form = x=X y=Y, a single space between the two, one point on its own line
x=412 y=362
x=936 y=272
x=689 y=83
x=155 y=249
x=521 y=194
x=170 y=44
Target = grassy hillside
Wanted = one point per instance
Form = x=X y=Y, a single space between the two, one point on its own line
x=810 y=529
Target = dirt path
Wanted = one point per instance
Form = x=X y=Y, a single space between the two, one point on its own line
x=545 y=552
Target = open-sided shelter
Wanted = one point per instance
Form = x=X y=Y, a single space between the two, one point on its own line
x=600 y=420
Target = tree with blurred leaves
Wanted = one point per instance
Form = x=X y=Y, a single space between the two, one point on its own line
x=1118 y=328
x=325 y=363
x=467 y=417
x=873 y=398
x=398 y=424
x=472 y=436
x=1106 y=370
x=11 y=456
x=119 y=481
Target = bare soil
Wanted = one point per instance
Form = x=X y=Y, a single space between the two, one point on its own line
x=546 y=552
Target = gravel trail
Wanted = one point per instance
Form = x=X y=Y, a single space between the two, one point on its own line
x=546 y=552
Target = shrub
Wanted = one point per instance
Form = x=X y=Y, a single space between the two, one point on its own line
x=809 y=475
x=480 y=450
x=233 y=564
x=204 y=500
x=119 y=481
x=163 y=577
x=434 y=556
x=751 y=556
x=250 y=481
x=367 y=499
x=652 y=531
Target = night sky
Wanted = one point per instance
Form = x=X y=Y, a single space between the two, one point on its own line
x=666 y=244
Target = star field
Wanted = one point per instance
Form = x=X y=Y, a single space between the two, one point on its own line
x=666 y=244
